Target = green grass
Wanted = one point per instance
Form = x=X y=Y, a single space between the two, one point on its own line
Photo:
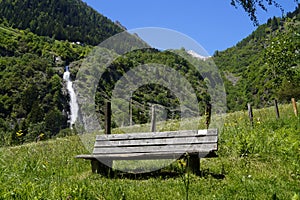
x=260 y=162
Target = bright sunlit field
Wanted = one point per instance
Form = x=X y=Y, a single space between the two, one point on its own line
x=259 y=162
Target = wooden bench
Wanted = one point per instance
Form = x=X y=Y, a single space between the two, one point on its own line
x=153 y=145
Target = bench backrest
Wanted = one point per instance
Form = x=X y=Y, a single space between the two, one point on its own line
x=156 y=144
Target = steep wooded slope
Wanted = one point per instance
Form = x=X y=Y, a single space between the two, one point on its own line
x=263 y=66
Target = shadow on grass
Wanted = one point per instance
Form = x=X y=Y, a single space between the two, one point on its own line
x=162 y=174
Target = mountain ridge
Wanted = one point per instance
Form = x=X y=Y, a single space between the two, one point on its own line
x=71 y=20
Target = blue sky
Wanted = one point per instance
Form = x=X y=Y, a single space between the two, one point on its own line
x=214 y=24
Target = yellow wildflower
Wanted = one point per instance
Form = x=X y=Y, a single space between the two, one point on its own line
x=19 y=133
x=181 y=163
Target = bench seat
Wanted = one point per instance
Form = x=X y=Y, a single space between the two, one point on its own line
x=154 y=145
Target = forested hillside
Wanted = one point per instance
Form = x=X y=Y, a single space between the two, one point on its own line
x=33 y=99
x=70 y=20
x=265 y=65
x=38 y=39
x=154 y=93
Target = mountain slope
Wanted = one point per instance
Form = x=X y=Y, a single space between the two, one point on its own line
x=263 y=66
x=33 y=99
x=69 y=20
x=38 y=39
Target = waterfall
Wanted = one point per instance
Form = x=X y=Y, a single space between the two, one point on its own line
x=73 y=98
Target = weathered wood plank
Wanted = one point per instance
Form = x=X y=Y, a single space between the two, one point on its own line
x=150 y=135
x=142 y=156
x=159 y=148
x=156 y=141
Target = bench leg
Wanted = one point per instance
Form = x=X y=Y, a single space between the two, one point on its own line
x=100 y=168
x=193 y=164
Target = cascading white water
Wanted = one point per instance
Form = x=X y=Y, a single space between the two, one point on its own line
x=73 y=98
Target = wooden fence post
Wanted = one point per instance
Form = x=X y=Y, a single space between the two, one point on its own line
x=207 y=115
x=276 y=109
x=105 y=165
x=250 y=113
x=130 y=109
x=108 y=118
x=295 y=106
x=153 y=119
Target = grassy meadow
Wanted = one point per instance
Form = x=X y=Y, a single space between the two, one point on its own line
x=259 y=162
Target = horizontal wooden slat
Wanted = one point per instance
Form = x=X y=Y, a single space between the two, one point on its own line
x=85 y=156
x=158 y=148
x=151 y=135
x=140 y=156
x=160 y=145
x=156 y=141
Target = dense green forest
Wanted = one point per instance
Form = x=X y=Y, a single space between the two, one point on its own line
x=265 y=65
x=38 y=39
x=33 y=99
x=69 y=20
x=154 y=93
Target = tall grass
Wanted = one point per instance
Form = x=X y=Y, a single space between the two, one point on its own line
x=259 y=162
